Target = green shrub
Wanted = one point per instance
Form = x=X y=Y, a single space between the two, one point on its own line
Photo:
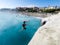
x=49 y=10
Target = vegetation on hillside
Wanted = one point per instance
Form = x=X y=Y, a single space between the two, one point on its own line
x=38 y=10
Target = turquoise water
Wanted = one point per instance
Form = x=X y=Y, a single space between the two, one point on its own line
x=11 y=32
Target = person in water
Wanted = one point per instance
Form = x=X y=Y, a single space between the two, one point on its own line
x=24 y=25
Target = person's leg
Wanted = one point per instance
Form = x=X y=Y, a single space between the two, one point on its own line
x=25 y=28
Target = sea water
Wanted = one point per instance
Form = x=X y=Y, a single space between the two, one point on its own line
x=11 y=32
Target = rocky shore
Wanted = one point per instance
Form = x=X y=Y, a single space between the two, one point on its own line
x=48 y=34
x=43 y=15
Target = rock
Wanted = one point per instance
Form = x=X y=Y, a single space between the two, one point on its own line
x=48 y=34
x=44 y=23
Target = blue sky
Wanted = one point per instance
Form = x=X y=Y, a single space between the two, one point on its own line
x=28 y=3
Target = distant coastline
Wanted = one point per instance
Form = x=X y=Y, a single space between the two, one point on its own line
x=34 y=11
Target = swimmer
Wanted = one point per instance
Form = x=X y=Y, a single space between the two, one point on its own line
x=24 y=25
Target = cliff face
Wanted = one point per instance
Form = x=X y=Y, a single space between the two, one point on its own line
x=49 y=34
